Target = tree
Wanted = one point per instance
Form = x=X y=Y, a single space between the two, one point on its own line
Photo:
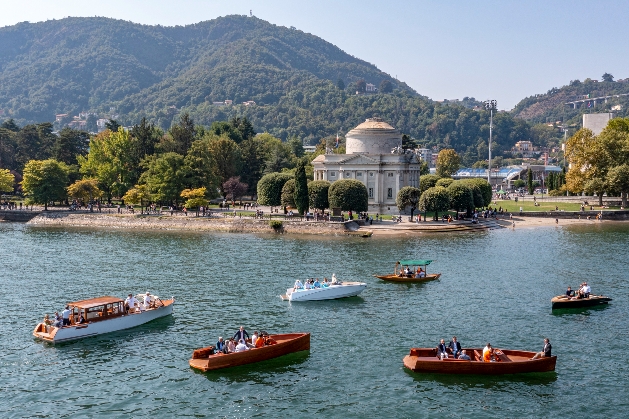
x=195 y=198
x=165 y=176
x=340 y=84
x=244 y=127
x=519 y=184
x=424 y=168
x=69 y=144
x=445 y=182
x=385 y=86
x=137 y=195
x=435 y=199
x=318 y=194
x=109 y=160
x=448 y=162
x=112 y=125
x=7 y=180
x=270 y=188
x=587 y=159
x=7 y=148
x=201 y=167
x=288 y=194
x=220 y=128
x=45 y=181
x=608 y=77
x=301 y=188
x=618 y=181
x=595 y=186
x=296 y=146
x=85 y=190
x=348 y=194
x=234 y=188
x=481 y=189
x=426 y=182
x=252 y=158
x=408 y=196
x=461 y=197
x=226 y=155
x=529 y=181
x=361 y=86
x=145 y=137
x=183 y=133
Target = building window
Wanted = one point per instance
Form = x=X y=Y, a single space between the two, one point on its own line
x=359 y=174
x=370 y=192
x=347 y=174
x=390 y=174
x=390 y=193
x=332 y=174
x=370 y=174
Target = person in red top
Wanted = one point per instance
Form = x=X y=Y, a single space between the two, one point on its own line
x=259 y=342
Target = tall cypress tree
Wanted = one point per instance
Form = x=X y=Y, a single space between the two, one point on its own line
x=301 y=188
x=529 y=181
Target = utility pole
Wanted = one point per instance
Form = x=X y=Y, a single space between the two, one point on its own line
x=490 y=105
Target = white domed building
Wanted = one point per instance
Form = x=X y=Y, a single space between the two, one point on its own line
x=374 y=156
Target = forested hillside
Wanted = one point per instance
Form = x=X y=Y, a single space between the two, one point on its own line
x=303 y=87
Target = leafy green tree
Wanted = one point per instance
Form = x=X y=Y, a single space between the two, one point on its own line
x=165 y=177
x=109 y=160
x=85 y=190
x=435 y=199
x=288 y=194
x=361 y=86
x=529 y=181
x=297 y=147
x=10 y=125
x=183 y=133
x=226 y=155
x=91 y=124
x=195 y=198
x=348 y=194
x=252 y=157
x=244 y=127
x=137 y=196
x=270 y=188
x=385 y=86
x=145 y=138
x=448 y=162
x=424 y=168
x=7 y=148
x=618 y=181
x=45 y=181
x=408 y=196
x=318 y=194
x=112 y=125
x=519 y=184
x=220 y=128
x=608 y=77
x=481 y=189
x=445 y=182
x=461 y=197
x=201 y=167
x=7 y=180
x=234 y=188
x=427 y=181
x=340 y=84
x=301 y=187
x=595 y=186
x=69 y=144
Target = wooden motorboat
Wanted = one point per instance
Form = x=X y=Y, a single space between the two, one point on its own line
x=102 y=315
x=508 y=362
x=327 y=292
x=204 y=359
x=563 y=301
x=413 y=265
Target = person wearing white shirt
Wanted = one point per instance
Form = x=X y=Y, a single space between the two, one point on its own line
x=241 y=346
x=254 y=338
x=586 y=290
x=147 y=300
x=65 y=314
x=131 y=303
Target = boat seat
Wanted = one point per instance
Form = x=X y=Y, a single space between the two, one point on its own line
x=477 y=356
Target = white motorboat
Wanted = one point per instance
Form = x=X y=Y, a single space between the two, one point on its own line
x=103 y=315
x=332 y=291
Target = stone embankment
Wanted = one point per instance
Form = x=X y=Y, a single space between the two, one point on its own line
x=178 y=222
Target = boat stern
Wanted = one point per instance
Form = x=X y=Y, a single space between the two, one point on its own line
x=45 y=332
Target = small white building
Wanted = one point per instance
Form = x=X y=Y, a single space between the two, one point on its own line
x=374 y=156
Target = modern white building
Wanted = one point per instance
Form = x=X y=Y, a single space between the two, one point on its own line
x=597 y=121
x=375 y=157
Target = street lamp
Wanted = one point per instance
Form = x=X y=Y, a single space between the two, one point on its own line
x=490 y=105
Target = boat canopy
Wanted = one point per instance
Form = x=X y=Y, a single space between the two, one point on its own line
x=415 y=262
x=95 y=302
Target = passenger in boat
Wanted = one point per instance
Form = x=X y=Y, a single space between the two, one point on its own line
x=241 y=334
x=260 y=341
x=326 y=283
x=298 y=285
x=586 y=290
x=254 y=339
x=307 y=285
x=231 y=346
x=487 y=352
x=420 y=273
x=47 y=320
x=455 y=347
x=242 y=346
x=148 y=301
x=569 y=292
x=268 y=340
x=66 y=316
x=464 y=356
x=58 y=320
x=317 y=284
x=220 y=346
x=131 y=303
x=81 y=319
x=442 y=349
x=546 y=351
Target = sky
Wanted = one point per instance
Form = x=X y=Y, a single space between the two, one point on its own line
x=502 y=49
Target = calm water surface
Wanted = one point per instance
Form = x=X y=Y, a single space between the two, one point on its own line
x=496 y=286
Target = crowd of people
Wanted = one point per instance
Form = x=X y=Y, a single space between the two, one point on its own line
x=241 y=342
x=490 y=354
x=407 y=272
x=584 y=291
x=313 y=283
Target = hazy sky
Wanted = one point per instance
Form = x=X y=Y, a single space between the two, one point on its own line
x=504 y=50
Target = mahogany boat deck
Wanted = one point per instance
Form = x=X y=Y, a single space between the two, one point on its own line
x=285 y=344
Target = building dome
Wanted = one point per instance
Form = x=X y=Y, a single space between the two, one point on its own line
x=374 y=136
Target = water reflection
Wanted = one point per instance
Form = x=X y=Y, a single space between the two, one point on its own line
x=484 y=381
x=586 y=311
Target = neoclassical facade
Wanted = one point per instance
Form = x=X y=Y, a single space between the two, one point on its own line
x=374 y=156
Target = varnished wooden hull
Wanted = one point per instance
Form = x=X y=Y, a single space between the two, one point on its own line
x=561 y=301
x=516 y=362
x=286 y=344
x=397 y=278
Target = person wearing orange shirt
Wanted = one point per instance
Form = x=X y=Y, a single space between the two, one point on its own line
x=259 y=342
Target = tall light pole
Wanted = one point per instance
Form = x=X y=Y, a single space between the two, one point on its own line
x=490 y=105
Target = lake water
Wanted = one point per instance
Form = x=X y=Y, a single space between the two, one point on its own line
x=495 y=286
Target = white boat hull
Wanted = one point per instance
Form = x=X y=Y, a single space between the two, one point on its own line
x=78 y=331
x=332 y=292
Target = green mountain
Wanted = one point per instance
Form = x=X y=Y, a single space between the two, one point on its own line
x=555 y=106
x=302 y=86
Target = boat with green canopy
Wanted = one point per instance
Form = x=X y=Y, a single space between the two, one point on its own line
x=410 y=270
